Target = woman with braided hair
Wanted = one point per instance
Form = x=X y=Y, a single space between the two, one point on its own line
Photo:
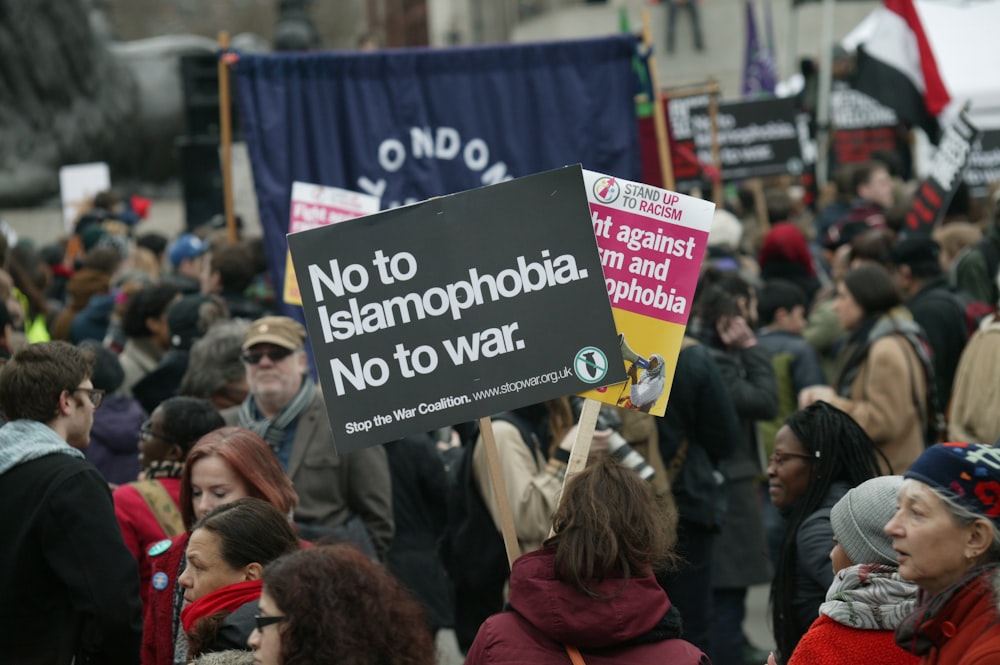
x=819 y=454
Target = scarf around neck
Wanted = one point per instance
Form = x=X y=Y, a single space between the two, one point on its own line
x=869 y=596
x=227 y=599
x=273 y=430
x=911 y=634
x=25 y=440
x=164 y=469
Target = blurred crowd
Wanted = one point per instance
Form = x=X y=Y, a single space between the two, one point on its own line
x=172 y=492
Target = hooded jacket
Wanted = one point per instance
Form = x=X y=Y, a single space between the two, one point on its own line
x=69 y=589
x=114 y=439
x=635 y=625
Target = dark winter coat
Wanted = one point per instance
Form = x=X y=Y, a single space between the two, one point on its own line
x=114 y=439
x=814 y=574
x=93 y=321
x=700 y=410
x=419 y=508
x=740 y=558
x=942 y=316
x=68 y=586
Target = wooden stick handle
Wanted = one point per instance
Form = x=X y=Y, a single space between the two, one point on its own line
x=226 y=139
x=581 y=445
x=507 y=528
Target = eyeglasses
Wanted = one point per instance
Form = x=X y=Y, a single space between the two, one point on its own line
x=146 y=433
x=274 y=355
x=96 y=395
x=264 y=622
x=778 y=459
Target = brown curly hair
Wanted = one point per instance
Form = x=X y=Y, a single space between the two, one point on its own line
x=342 y=609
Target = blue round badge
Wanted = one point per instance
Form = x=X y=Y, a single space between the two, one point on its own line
x=160 y=581
x=160 y=547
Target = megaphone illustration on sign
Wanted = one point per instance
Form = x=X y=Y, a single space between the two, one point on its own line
x=631 y=356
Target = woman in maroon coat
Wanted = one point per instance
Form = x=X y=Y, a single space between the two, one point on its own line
x=591 y=587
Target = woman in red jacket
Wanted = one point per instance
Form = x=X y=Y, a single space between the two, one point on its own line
x=946 y=540
x=591 y=587
x=225 y=465
x=148 y=510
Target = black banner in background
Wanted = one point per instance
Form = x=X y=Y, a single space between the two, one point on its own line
x=756 y=138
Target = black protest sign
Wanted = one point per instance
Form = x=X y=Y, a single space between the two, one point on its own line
x=684 y=159
x=984 y=164
x=863 y=127
x=457 y=308
x=756 y=138
x=949 y=162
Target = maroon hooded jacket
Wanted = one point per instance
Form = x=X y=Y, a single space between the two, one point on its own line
x=633 y=626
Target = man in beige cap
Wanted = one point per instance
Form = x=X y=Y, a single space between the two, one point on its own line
x=338 y=494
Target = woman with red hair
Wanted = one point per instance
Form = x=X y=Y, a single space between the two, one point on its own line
x=228 y=464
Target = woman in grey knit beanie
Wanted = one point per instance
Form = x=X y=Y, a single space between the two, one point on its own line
x=867 y=599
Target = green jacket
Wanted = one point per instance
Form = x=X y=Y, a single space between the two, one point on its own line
x=972 y=273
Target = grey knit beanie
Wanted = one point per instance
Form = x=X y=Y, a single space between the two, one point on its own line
x=859 y=518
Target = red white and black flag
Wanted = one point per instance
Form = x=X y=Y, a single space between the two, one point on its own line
x=896 y=66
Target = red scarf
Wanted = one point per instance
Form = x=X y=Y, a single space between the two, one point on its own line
x=228 y=598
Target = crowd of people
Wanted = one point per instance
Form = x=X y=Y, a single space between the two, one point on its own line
x=172 y=491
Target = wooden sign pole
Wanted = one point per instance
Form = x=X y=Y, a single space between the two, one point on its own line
x=507 y=528
x=226 y=138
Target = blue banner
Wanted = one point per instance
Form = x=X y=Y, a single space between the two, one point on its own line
x=410 y=124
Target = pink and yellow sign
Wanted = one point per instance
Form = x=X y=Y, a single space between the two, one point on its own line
x=314 y=206
x=651 y=243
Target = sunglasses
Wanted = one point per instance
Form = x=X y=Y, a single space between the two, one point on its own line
x=274 y=355
x=96 y=395
x=264 y=622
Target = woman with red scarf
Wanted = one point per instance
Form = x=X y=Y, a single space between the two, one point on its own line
x=226 y=554
x=225 y=465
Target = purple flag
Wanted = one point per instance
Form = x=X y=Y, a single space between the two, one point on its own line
x=759 y=71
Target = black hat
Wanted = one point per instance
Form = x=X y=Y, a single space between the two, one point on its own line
x=915 y=249
x=183 y=318
x=107 y=374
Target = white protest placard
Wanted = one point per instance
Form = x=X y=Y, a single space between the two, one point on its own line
x=78 y=184
x=314 y=206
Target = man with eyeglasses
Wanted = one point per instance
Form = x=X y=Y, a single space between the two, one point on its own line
x=69 y=589
x=344 y=496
